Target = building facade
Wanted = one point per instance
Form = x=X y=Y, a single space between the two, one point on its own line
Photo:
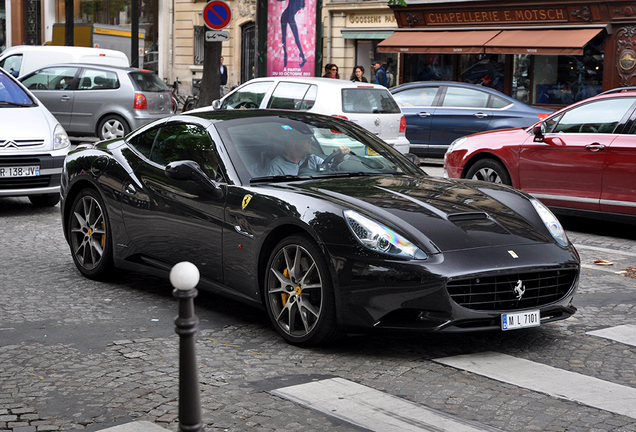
x=539 y=52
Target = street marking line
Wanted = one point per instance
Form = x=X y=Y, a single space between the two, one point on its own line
x=374 y=410
x=609 y=251
x=555 y=382
x=623 y=333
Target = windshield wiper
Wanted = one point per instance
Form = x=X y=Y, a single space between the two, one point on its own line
x=16 y=104
x=278 y=178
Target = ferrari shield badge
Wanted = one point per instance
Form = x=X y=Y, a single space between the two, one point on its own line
x=246 y=201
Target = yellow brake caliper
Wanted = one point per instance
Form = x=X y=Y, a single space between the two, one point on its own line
x=285 y=296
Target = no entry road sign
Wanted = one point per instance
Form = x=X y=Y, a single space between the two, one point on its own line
x=217 y=14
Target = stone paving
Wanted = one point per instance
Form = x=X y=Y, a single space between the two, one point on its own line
x=79 y=354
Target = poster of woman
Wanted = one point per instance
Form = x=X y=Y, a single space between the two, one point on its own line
x=291 y=37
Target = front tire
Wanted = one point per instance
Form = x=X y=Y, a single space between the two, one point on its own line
x=489 y=170
x=299 y=294
x=112 y=126
x=89 y=235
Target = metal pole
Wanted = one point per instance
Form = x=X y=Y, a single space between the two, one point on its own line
x=184 y=277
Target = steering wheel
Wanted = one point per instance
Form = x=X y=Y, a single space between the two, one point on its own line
x=246 y=104
x=328 y=163
x=41 y=86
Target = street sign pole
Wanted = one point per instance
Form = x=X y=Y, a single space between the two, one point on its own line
x=216 y=16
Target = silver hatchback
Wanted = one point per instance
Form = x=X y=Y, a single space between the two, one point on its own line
x=104 y=101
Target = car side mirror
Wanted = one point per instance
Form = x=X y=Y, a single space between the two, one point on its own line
x=537 y=131
x=190 y=170
x=216 y=104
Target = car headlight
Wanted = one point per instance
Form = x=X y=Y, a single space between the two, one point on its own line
x=551 y=222
x=60 y=139
x=379 y=238
x=456 y=143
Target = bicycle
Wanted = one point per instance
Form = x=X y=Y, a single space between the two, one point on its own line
x=190 y=103
x=178 y=101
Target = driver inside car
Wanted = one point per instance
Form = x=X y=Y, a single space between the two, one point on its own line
x=297 y=156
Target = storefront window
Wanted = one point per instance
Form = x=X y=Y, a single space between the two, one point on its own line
x=428 y=67
x=483 y=69
x=562 y=80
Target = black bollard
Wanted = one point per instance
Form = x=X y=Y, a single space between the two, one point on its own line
x=185 y=277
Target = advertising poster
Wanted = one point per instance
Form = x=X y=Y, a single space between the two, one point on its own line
x=291 y=37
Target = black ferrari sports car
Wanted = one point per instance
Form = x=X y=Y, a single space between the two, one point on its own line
x=319 y=222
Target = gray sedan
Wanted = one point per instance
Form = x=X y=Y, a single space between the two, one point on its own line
x=105 y=101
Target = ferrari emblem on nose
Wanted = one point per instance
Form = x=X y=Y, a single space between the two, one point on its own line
x=519 y=289
x=246 y=201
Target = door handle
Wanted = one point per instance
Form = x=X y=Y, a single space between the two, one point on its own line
x=595 y=147
x=424 y=114
x=65 y=98
x=480 y=115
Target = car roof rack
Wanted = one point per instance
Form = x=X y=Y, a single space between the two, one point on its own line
x=619 y=90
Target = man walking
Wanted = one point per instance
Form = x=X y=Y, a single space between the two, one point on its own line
x=380 y=74
x=223 y=80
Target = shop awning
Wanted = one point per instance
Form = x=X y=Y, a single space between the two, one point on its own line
x=564 y=41
x=570 y=41
x=366 y=34
x=455 y=42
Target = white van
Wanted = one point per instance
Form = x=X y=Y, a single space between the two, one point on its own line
x=19 y=60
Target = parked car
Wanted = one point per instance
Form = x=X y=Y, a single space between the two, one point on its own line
x=368 y=105
x=33 y=145
x=104 y=101
x=362 y=241
x=580 y=160
x=21 y=59
x=438 y=112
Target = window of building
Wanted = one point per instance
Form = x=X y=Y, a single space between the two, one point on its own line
x=199 y=44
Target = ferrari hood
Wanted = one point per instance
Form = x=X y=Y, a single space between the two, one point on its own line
x=450 y=214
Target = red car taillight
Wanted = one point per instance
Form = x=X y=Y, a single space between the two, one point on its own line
x=403 y=125
x=140 y=101
x=339 y=116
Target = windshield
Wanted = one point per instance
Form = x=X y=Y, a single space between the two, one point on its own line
x=11 y=94
x=287 y=147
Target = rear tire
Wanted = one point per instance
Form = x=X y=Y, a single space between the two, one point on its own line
x=44 y=200
x=90 y=236
x=112 y=126
x=489 y=170
x=299 y=295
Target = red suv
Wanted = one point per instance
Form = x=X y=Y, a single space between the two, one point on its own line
x=580 y=160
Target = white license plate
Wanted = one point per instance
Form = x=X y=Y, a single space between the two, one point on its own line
x=520 y=320
x=23 y=171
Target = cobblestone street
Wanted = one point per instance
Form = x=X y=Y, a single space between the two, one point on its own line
x=79 y=354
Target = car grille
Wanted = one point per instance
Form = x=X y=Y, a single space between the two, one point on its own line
x=491 y=293
x=43 y=161
x=21 y=144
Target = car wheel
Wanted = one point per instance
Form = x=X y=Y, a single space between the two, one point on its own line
x=48 y=200
x=89 y=235
x=489 y=170
x=299 y=294
x=112 y=126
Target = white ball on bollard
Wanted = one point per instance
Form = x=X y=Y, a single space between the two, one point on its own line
x=184 y=276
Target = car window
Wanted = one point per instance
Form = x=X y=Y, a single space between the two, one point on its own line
x=12 y=64
x=460 y=97
x=416 y=97
x=148 y=82
x=180 y=141
x=53 y=78
x=368 y=100
x=293 y=96
x=143 y=141
x=498 y=102
x=248 y=96
x=601 y=116
x=11 y=93
x=256 y=144
x=95 y=79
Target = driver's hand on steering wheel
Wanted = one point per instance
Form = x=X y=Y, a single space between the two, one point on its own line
x=344 y=150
